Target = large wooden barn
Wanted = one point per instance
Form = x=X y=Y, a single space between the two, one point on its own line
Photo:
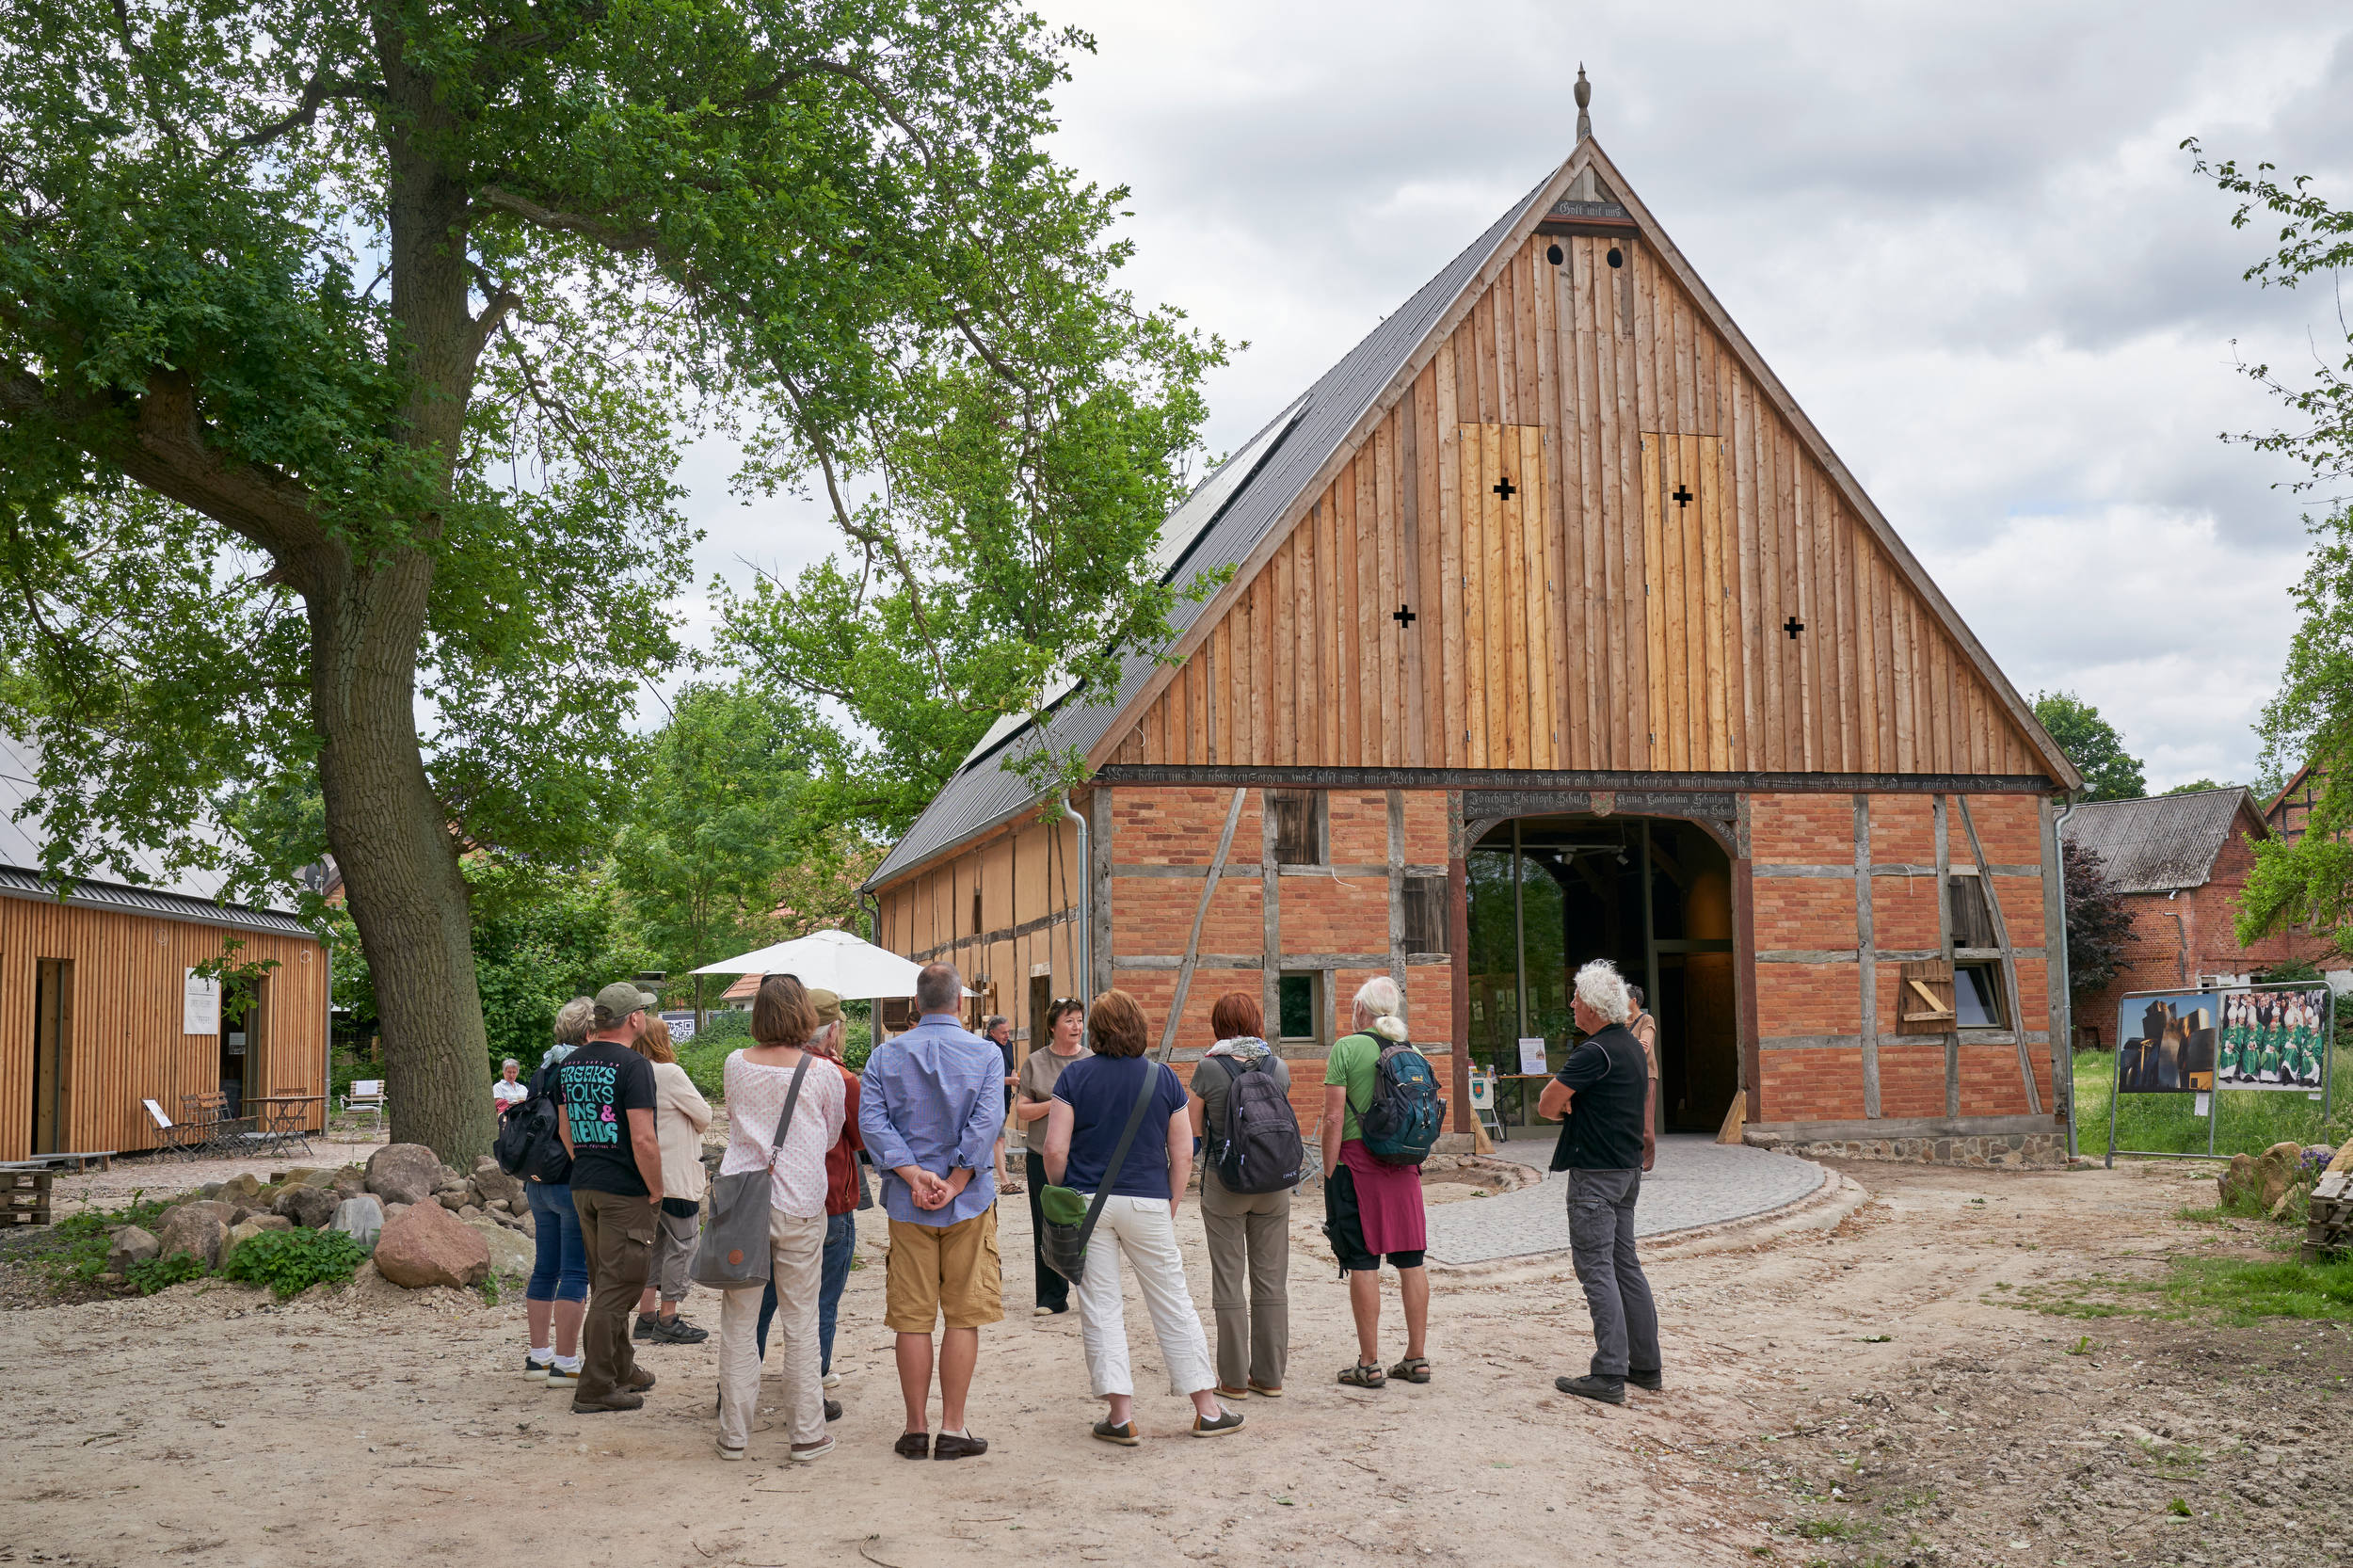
x=96 y=1012
x=1556 y=631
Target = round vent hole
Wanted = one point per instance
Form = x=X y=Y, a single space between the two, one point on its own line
x=1617 y=257
x=1553 y=255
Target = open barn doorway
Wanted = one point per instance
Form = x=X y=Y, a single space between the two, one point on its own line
x=1653 y=894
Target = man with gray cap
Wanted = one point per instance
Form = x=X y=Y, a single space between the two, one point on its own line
x=607 y=1090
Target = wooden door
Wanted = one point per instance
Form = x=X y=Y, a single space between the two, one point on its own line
x=52 y=1055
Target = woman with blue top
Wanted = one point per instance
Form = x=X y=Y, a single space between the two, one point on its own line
x=1095 y=1101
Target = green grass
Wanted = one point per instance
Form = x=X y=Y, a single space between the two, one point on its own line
x=2250 y=1120
x=2232 y=1290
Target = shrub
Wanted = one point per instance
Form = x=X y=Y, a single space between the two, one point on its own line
x=291 y=1261
x=77 y=1244
x=162 y=1273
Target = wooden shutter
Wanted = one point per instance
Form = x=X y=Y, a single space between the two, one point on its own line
x=1924 y=998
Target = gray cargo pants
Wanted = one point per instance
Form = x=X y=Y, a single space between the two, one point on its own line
x=1601 y=1243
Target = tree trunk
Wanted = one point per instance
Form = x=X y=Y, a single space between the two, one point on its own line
x=393 y=842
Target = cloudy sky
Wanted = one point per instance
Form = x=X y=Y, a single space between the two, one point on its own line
x=1964 y=237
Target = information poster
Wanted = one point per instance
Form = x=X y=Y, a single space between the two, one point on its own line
x=2272 y=1039
x=2240 y=1037
x=1533 y=1053
x=200 y=1004
x=681 y=1027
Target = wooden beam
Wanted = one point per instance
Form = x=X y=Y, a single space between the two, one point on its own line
x=1200 y=914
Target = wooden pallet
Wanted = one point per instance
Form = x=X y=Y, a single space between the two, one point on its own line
x=24 y=1196
x=2329 y=1228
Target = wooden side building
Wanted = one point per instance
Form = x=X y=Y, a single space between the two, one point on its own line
x=1556 y=631
x=93 y=999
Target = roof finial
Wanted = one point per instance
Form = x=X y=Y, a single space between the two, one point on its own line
x=1584 y=96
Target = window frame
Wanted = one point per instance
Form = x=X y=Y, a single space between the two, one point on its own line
x=1313 y=980
x=1432 y=894
x=1316 y=828
x=1994 y=990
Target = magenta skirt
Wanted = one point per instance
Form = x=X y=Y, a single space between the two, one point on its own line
x=1389 y=1200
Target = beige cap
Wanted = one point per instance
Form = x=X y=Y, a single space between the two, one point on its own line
x=827 y=1005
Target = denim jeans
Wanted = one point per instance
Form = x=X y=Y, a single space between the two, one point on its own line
x=561 y=1272
x=840 y=1246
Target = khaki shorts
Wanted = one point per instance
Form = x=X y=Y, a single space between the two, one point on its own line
x=951 y=1270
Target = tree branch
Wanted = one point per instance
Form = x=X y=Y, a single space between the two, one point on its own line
x=315 y=94
x=585 y=225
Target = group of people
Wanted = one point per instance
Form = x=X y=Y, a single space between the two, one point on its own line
x=2270 y=1037
x=932 y=1111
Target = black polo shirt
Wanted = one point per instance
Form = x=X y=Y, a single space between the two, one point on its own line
x=1603 y=1130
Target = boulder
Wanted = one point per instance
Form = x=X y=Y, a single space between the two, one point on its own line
x=210 y=1188
x=242 y=1189
x=298 y=1174
x=225 y=1213
x=1758 y=1138
x=2239 y=1182
x=246 y=1230
x=325 y=1180
x=129 y=1245
x=306 y=1205
x=358 y=1217
x=193 y=1229
x=452 y=1198
x=495 y=1185
x=511 y=1254
x=2278 y=1166
x=403 y=1173
x=425 y=1244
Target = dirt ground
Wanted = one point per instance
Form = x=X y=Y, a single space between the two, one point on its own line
x=1869 y=1395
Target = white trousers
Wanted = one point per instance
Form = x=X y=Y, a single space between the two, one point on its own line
x=1142 y=1229
x=797 y=1251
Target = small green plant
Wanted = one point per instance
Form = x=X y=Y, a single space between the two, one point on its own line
x=162 y=1273
x=291 y=1261
x=77 y=1244
x=490 y=1289
x=2081 y=1347
x=2177 y=1508
x=1827 y=1528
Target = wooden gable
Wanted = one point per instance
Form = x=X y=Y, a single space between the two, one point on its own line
x=1587 y=530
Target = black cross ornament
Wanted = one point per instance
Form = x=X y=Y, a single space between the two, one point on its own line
x=1504 y=488
x=1403 y=616
x=1682 y=497
x=1793 y=626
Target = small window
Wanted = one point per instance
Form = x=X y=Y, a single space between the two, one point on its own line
x=1299 y=826
x=1296 y=1000
x=1972 y=923
x=1425 y=913
x=1977 y=996
x=976 y=911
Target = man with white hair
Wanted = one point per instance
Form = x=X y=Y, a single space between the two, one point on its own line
x=1604 y=1092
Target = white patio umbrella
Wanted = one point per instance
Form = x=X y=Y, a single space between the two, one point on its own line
x=849 y=967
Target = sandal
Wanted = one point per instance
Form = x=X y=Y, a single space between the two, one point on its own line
x=1364 y=1374
x=1413 y=1369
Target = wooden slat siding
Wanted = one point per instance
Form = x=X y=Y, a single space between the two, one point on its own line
x=1482 y=642
x=1409 y=567
x=1450 y=566
x=1625 y=460
x=1433 y=632
x=1511 y=513
x=1722 y=687
x=1527 y=274
x=1565 y=465
x=1388 y=535
x=1482 y=365
x=1653 y=602
x=127 y=1043
x=1544 y=658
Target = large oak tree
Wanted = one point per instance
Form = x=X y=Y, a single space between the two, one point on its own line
x=345 y=354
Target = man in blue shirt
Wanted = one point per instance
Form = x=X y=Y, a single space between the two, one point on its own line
x=930 y=1104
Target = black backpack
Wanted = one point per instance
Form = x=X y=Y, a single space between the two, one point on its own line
x=1261 y=1149
x=529 y=1142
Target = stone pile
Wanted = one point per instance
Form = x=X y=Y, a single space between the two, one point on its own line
x=425 y=1224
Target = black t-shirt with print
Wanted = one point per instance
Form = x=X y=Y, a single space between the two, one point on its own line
x=602 y=1083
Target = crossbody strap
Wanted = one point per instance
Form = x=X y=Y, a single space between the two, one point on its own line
x=792 y=1099
x=1120 y=1155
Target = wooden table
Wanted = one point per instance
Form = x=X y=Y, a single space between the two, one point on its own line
x=282 y=1120
x=1522 y=1079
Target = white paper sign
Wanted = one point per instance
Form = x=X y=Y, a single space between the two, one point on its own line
x=1532 y=1053
x=200 y=1005
x=2204 y=1106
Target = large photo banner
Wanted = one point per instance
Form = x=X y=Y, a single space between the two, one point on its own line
x=2167 y=1043
x=2273 y=1039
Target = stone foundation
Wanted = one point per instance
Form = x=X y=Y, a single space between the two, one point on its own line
x=2016 y=1150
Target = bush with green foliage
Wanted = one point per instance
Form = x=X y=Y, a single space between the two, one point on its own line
x=162 y=1273
x=291 y=1261
x=77 y=1244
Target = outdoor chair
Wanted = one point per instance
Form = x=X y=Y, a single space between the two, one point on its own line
x=367 y=1094
x=179 y=1139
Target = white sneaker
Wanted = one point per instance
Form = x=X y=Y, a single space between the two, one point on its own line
x=812 y=1454
x=833 y=1380
x=728 y=1453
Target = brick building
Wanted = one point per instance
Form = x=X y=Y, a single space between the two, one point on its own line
x=1555 y=630
x=2181 y=862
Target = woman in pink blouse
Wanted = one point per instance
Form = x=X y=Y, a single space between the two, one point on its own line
x=757 y=1082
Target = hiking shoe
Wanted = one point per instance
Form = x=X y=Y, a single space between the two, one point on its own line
x=620 y=1399
x=1608 y=1390
x=644 y=1331
x=638 y=1381
x=1652 y=1382
x=948 y=1445
x=913 y=1445
x=677 y=1331
x=1124 y=1434
x=558 y=1378
x=1228 y=1420
x=812 y=1453
x=536 y=1370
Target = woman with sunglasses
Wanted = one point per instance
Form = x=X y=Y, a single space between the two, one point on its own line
x=1034 y=1096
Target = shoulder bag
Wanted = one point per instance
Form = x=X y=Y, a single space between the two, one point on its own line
x=732 y=1251
x=1069 y=1221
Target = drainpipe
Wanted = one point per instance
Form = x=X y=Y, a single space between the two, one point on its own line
x=1086 y=904
x=2066 y=979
